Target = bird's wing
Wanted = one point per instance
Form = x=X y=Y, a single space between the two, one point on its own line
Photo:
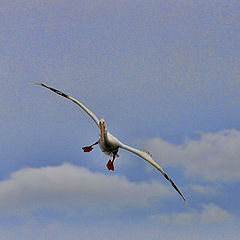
x=148 y=158
x=90 y=113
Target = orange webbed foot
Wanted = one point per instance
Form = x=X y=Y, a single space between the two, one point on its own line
x=87 y=149
x=110 y=165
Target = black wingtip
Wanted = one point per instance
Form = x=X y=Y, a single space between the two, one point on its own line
x=38 y=83
x=52 y=89
x=175 y=187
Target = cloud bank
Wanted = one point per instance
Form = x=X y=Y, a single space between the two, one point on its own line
x=208 y=214
x=70 y=187
x=215 y=156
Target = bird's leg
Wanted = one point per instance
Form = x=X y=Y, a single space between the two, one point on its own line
x=110 y=165
x=89 y=148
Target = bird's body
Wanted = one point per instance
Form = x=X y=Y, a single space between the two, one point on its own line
x=109 y=144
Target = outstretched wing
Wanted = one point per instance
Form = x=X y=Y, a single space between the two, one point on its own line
x=149 y=159
x=90 y=113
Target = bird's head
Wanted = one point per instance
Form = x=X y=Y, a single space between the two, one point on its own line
x=103 y=128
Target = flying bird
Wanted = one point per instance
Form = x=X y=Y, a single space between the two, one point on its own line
x=109 y=144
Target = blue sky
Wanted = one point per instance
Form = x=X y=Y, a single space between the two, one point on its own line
x=165 y=76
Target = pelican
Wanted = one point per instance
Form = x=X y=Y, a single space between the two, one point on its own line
x=109 y=144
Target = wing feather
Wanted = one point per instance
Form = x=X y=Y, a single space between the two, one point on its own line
x=149 y=159
x=89 y=112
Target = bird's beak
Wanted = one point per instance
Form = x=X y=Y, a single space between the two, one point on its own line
x=102 y=128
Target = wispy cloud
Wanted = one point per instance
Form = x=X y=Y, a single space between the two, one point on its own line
x=208 y=214
x=215 y=156
x=204 y=190
x=70 y=187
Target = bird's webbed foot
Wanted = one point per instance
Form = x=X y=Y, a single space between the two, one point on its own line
x=110 y=165
x=89 y=148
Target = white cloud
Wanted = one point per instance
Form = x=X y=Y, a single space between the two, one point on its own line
x=205 y=190
x=179 y=226
x=208 y=214
x=70 y=187
x=214 y=214
x=215 y=156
